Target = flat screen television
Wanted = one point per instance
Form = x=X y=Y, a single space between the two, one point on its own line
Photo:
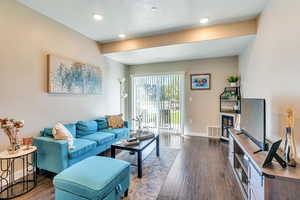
x=253 y=120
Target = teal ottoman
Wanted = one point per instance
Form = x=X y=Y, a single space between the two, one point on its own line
x=93 y=178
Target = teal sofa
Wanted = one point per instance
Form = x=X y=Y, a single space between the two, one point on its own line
x=84 y=180
x=90 y=138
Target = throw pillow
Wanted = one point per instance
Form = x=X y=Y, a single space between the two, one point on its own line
x=115 y=121
x=60 y=132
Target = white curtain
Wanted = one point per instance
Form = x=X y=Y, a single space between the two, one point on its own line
x=158 y=98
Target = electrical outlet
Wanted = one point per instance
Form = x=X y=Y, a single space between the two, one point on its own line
x=191 y=99
x=191 y=121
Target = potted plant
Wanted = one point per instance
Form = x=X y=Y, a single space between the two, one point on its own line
x=233 y=80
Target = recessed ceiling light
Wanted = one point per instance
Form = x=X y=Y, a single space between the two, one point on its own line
x=97 y=17
x=154 y=8
x=122 y=35
x=204 y=20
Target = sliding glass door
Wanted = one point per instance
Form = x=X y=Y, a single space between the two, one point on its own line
x=158 y=99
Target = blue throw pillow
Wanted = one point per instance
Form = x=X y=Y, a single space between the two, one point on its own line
x=102 y=123
x=70 y=127
x=47 y=132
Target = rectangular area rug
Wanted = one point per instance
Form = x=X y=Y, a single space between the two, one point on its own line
x=155 y=171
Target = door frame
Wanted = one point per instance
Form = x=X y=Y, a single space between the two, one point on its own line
x=182 y=94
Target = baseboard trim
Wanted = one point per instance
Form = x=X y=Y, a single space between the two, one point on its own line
x=200 y=135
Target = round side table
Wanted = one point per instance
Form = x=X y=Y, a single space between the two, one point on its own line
x=18 y=172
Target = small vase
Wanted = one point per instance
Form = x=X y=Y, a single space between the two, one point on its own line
x=233 y=84
x=14 y=146
x=236 y=107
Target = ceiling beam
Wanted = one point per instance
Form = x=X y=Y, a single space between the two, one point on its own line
x=220 y=31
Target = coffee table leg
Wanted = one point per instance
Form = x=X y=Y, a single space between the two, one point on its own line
x=157 y=146
x=113 y=152
x=140 y=173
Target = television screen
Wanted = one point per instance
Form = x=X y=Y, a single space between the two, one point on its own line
x=253 y=120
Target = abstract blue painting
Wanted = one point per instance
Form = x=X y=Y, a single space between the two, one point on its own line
x=66 y=76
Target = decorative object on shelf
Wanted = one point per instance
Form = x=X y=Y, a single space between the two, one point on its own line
x=290 y=152
x=233 y=80
x=237 y=125
x=273 y=154
x=200 y=81
x=66 y=76
x=230 y=100
x=11 y=128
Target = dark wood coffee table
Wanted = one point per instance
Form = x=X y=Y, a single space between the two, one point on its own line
x=138 y=149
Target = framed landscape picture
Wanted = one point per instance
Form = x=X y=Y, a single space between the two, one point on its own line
x=200 y=81
x=66 y=76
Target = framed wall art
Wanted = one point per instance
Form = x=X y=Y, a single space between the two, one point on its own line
x=66 y=76
x=200 y=81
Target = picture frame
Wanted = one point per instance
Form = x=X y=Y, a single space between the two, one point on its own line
x=68 y=76
x=200 y=81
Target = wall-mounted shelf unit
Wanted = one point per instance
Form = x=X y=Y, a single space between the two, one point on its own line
x=230 y=100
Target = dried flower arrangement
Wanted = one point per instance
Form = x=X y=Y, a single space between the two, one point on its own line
x=11 y=129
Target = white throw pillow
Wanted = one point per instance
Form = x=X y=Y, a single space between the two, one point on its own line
x=60 y=132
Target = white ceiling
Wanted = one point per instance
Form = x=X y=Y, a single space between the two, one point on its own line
x=135 y=17
x=189 y=51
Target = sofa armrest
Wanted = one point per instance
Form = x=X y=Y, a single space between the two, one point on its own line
x=127 y=124
x=52 y=155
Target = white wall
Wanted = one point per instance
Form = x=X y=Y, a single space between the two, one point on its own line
x=25 y=38
x=270 y=66
x=203 y=109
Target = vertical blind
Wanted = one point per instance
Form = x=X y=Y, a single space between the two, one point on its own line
x=158 y=99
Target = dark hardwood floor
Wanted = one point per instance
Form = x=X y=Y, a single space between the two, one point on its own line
x=201 y=171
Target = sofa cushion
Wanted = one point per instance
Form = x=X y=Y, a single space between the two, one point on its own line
x=86 y=127
x=80 y=133
x=85 y=178
x=102 y=123
x=118 y=132
x=82 y=146
x=70 y=127
x=100 y=137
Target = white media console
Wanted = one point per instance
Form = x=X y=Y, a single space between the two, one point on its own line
x=257 y=183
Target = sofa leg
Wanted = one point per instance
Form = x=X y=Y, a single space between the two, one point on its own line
x=126 y=193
